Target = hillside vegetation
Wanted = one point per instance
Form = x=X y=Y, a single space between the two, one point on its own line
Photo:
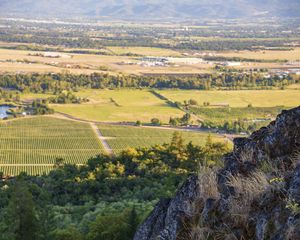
x=106 y=198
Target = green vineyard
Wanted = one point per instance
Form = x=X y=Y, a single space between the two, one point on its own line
x=123 y=137
x=32 y=145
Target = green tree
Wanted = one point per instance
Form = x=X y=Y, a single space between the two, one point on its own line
x=186 y=119
x=138 y=123
x=133 y=222
x=20 y=219
x=110 y=227
x=67 y=234
x=173 y=121
x=177 y=141
x=155 y=122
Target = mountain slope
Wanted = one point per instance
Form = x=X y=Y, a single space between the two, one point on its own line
x=150 y=9
x=256 y=195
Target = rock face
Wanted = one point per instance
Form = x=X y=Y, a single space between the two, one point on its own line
x=165 y=220
x=258 y=192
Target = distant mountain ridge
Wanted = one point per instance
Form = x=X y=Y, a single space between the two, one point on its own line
x=151 y=9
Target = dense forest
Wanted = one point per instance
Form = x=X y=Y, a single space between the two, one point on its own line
x=106 y=199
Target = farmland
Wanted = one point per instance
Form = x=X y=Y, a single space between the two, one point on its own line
x=258 y=98
x=265 y=54
x=123 y=137
x=235 y=111
x=34 y=144
x=26 y=61
x=104 y=114
x=13 y=61
x=119 y=105
x=147 y=51
x=220 y=115
x=130 y=105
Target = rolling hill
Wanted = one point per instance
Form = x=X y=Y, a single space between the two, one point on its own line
x=150 y=9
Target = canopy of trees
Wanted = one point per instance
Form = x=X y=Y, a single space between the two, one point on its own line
x=106 y=199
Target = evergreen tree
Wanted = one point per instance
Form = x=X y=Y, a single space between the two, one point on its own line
x=20 y=214
x=133 y=222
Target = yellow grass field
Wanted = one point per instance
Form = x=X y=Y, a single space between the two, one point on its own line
x=147 y=51
x=87 y=63
x=258 y=98
x=265 y=54
x=12 y=61
x=119 y=105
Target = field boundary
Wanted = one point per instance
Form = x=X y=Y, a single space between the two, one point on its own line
x=105 y=145
x=61 y=115
x=173 y=104
x=33 y=165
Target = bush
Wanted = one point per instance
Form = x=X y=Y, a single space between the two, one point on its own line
x=67 y=234
x=155 y=122
x=138 y=123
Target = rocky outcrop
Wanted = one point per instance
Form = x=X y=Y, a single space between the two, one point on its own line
x=259 y=192
x=165 y=220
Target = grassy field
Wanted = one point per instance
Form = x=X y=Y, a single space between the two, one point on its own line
x=31 y=96
x=119 y=105
x=265 y=54
x=76 y=63
x=258 y=98
x=13 y=61
x=33 y=144
x=146 y=51
x=220 y=115
x=123 y=137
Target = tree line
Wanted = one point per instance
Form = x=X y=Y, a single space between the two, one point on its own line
x=57 y=82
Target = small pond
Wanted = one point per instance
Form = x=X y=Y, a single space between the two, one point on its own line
x=3 y=111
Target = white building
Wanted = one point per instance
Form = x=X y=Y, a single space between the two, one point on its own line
x=231 y=64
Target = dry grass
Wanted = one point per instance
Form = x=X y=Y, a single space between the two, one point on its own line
x=246 y=156
x=196 y=229
x=147 y=51
x=200 y=233
x=265 y=54
x=247 y=189
x=240 y=98
x=295 y=159
x=208 y=184
x=89 y=63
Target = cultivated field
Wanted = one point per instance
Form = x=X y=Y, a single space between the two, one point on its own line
x=258 y=98
x=34 y=144
x=123 y=137
x=220 y=115
x=119 y=105
x=265 y=54
x=146 y=51
x=22 y=61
